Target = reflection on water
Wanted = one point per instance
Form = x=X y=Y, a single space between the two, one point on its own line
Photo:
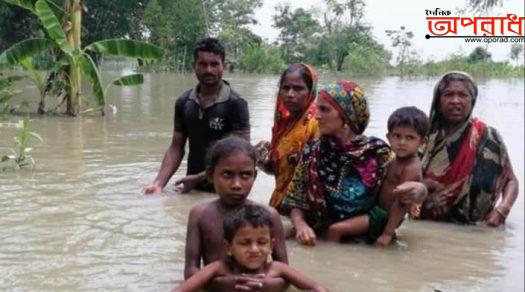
x=79 y=222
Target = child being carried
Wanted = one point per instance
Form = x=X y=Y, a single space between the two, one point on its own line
x=248 y=240
x=407 y=129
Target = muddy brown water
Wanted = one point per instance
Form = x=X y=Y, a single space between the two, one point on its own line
x=78 y=220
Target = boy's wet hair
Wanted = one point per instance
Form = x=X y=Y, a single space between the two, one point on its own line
x=303 y=71
x=409 y=116
x=210 y=45
x=226 y=147
x=253 y=215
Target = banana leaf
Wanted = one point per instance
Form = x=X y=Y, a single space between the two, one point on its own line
x=127 y=48
x=129 y=80
x=52 y=25
x=88 y=68
x=25 y=49
x=27 y=4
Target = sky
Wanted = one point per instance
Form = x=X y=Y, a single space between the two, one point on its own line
x=384 y=14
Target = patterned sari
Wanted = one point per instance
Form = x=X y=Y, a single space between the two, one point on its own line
x=289 y=136
x=336 y=181
x=471 y=163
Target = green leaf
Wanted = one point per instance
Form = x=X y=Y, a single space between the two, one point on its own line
x=129 y=80
x=27 y=64
x=36 y=136
x=127 y=48
x=8 y=81
x=4 y=158
x=27 y=4
x=88 y=67
x=52 y=25
x=25 y=49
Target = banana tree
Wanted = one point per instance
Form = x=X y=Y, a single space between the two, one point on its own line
x=66 y=38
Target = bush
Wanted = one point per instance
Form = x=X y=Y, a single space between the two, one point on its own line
x=479 y=68
x=363 y=60
x=261 y=59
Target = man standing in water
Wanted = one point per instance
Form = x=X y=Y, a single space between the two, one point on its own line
x=204 y=114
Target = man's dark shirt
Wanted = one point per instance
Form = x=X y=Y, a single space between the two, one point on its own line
x=227 y=114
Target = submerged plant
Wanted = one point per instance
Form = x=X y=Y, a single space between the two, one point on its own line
x=20 y=155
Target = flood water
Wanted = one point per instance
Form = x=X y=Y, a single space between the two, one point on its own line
x=78 y=220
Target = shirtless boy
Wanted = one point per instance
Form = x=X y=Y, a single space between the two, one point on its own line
x=407 y=128
x=231 y=167
x=248 y=240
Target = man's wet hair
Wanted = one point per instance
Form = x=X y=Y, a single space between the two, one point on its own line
x=226 y=147
x=252 y=215
x=409 y=116
x=210 y=45
x=303 y=71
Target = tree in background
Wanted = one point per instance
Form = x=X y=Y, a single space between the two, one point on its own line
x=327 y=42
x=102 y=19
x=482 y=5
x=112 y=19
x=343 y=25
x=479 y=54
x=16 y=24
x=366 y=57
x=232 y=18
x=299 y=31
x=177 y=25
x=261 y=58
x=516 y=53
x=236 y=42
x=407 y=58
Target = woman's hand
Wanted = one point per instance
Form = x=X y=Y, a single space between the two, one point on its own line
x=440 y=198
x=262 y=156
x=305 y=234
x=494 y=219
x=497 y=216
x=438 y=204
x=261 y=150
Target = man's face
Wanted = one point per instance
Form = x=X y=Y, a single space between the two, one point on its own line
x=208 y=68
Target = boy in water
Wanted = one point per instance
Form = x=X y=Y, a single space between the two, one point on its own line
x=248 y=239
x=407 y=128
x=231 y=167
